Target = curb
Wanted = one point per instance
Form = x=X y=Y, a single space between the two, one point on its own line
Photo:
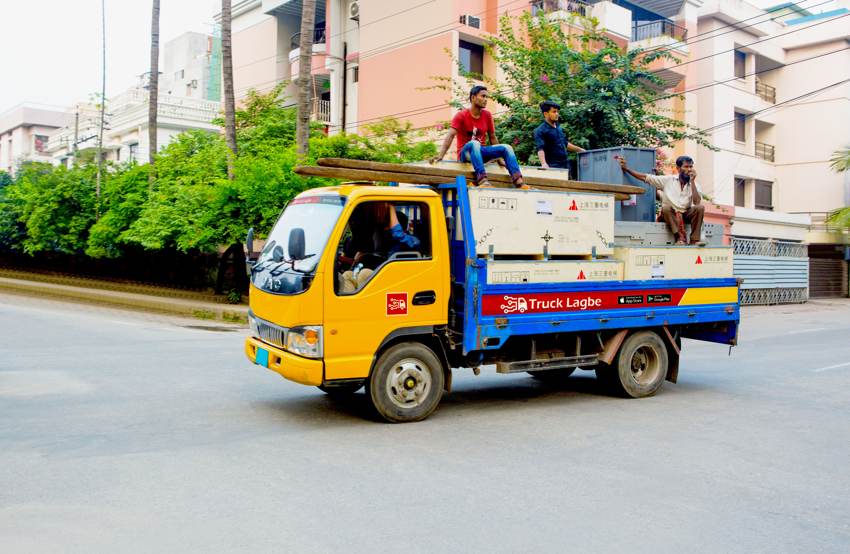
x=176 y=306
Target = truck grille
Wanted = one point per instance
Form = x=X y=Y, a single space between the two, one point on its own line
x=268 y=332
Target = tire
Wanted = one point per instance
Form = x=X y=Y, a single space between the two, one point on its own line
x=341 y=391
x=641 y=365
x=552 y=375
x=406 y=383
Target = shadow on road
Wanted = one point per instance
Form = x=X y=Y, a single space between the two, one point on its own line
x=467 y=397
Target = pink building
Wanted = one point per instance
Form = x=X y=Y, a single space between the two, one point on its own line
x=24 y=131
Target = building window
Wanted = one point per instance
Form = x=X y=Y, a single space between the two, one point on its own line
x=740 y=192
x=740 y=64
x=40 y=143
x=764 y=195
x=471 y=57
x=740 y=127
x=179 y=74
x=355 y=74
x=134 y=151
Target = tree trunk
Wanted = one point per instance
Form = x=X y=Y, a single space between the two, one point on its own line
x=153 y=91
x=305 y=77
x=227 y=78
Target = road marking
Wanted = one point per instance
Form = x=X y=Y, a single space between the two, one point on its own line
x=801 y=331
x=827 y=368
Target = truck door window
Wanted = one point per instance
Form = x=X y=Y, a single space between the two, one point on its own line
x=377 y=234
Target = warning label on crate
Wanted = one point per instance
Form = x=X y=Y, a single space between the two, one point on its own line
x=544 y=207
x=497 y=203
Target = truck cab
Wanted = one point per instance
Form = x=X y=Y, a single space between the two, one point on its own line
x=392 y=287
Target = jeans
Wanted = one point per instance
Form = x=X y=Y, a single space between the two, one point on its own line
x=478 y=155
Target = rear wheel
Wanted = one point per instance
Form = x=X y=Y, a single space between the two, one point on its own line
x=641 y=365
x=406 y=383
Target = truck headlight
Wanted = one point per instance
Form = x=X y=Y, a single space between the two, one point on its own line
x=253 y=326
x=305 y=341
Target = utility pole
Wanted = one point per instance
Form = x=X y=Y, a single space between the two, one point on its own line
x=153 y=92
x=102 y=111
x=76 y=131
x=305 y=76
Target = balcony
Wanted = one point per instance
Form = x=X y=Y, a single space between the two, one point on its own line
x=765 y=92
x=766 y=152
x=319 y=50
x=550 y=6
x=322 y=111
x=647 y=30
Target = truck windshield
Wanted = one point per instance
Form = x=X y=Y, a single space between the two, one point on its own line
x=304 y=226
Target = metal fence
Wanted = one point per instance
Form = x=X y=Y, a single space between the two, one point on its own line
x=765 y=152
x=773 y=271
x=548 y=6
x=766 y=92
x=642 y=30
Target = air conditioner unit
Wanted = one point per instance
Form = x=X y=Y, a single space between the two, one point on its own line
x=471 y=21
x=194 y=83
x=354 y=10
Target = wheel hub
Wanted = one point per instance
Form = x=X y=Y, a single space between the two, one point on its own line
x=408 y=383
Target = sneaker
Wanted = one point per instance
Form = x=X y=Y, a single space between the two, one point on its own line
x=483 y=184
x=522 y=186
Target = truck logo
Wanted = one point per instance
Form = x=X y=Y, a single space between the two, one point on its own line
x=514 y=304
x=396 y=303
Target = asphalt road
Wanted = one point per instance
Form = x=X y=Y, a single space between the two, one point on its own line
x=122 y=432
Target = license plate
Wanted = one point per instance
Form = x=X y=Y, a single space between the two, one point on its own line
x=262 y=357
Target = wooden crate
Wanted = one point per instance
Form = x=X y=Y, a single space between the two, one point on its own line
x=553 y=271
x=675 y=262
x=517 y=222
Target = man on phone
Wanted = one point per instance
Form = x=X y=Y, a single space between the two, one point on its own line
x=681 y=199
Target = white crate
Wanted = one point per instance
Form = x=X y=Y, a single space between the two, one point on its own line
x=553 y=271
x=675 y=262
x=517 y=222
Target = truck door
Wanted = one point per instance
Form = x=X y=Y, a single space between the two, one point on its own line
x=381 y=284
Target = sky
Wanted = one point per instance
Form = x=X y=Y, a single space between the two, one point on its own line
x=50 y=50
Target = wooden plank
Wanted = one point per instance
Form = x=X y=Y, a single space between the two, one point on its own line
x=495 y=174
x=405 y=178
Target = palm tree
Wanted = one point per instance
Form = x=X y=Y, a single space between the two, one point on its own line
x=302 y=128
x=227 y=78
x=153 y=90
x=840 y=163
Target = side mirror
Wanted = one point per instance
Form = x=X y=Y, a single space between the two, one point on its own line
x=296 y=244
x=249 y=243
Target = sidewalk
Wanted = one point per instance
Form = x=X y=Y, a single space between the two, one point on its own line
x=124 y=295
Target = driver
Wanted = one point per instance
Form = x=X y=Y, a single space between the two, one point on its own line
x=388 y=234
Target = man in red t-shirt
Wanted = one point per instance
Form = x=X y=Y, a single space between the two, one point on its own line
x=474 y=129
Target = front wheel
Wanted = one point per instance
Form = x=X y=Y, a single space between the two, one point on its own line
x=406 y=383
x=641 y=365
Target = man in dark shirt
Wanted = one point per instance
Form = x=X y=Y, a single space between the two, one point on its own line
x=473 y=128
x=552 y=145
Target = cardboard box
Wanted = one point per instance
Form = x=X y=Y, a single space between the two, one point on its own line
x=675 y=262
x=517 y=222
x=553 y=271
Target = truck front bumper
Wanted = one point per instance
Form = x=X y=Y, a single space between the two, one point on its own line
x=295 y=368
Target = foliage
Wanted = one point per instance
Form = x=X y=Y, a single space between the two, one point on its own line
x=840 y=163
x=192 y=207
x=608 y=95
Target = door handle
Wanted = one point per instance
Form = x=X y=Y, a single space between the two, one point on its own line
x=424 y=297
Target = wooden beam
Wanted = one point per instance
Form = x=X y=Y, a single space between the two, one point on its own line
x=413 y=178
x=495 y=176
x=407 y=178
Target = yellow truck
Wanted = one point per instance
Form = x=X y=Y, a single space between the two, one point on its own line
x=326 y=311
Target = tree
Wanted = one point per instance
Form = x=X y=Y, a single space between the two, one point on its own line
x=153 y=89
x=840 y=163
x=305 y=76
x=227 y=71
x=607 y=94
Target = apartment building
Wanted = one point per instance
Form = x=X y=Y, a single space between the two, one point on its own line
x=24 y=132
x=774 y=111
x=374 y=59
x=192 y=67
